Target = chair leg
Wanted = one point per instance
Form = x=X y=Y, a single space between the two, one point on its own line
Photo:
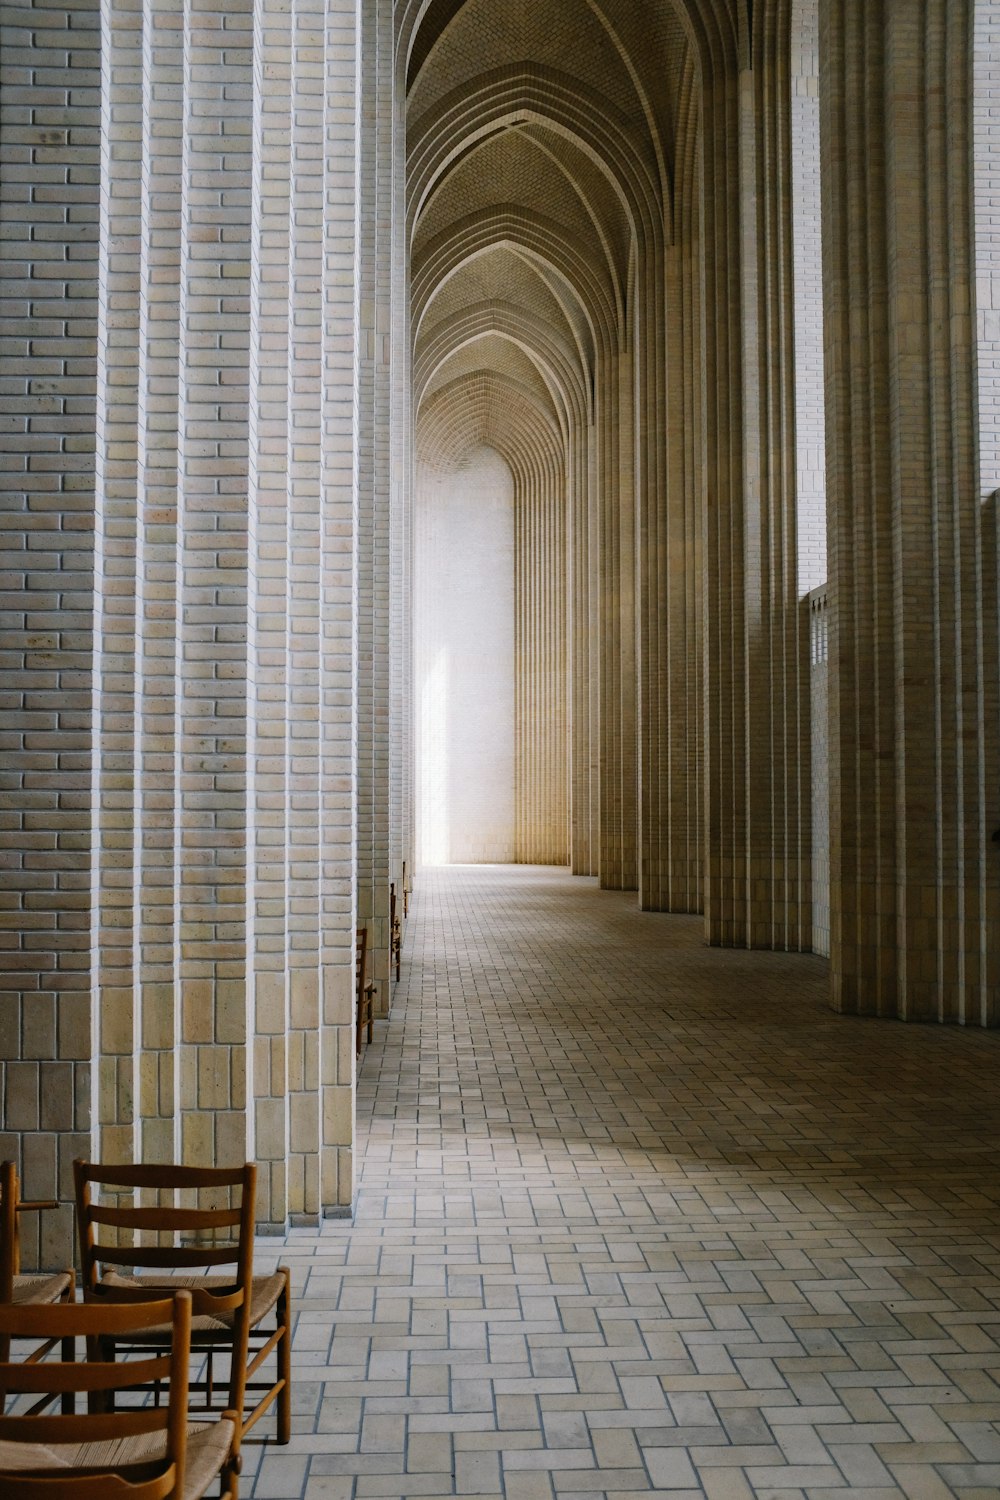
x=284 y=1353
x=102 y=1349
x=68 y=1403
x=229 y=1483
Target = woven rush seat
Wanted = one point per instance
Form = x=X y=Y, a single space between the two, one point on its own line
x=28 y=1290
x=264 y=1294
x=207 y=1450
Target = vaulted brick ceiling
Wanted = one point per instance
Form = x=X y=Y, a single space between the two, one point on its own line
x=542 y=141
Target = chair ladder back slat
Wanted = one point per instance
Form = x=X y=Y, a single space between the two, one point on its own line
x=93 y=1484
x=163 y=1219
x=192 y=1257
x=95 y=1375
x=167 y=1176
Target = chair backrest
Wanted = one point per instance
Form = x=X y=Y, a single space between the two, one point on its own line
x=187 y=1238
x=360 y=959
x=28 y=1475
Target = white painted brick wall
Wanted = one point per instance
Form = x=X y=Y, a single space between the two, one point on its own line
x=464 y=677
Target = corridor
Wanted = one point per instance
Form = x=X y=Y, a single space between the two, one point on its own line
x=638 y=1215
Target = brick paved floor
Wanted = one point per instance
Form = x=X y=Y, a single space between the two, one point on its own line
x=638 y=1216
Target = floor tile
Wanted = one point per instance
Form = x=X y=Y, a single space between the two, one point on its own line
x=641 y=1217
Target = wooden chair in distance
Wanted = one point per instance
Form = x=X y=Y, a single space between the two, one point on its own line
x=34 y=1289
x=364 y=992
x=181 y=1246
x=395 y=931
x=133 y=1453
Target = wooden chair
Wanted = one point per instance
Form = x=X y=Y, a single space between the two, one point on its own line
x=37 y=1289
x=229 y=1311
x=406 y=892
x=395 y=931
x=365 y=993
x=136 y=1453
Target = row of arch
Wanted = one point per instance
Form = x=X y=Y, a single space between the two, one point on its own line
x=607 y=231
x=604 y=296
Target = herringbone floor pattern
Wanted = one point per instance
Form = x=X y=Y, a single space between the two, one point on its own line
x=639 y=1216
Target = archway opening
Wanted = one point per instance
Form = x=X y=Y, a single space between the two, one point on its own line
x=464 y=661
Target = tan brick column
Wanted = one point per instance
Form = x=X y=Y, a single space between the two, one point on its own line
x=225 y=594
x=374 y=640
x=756 y=718
x=49 y=190
x=618 y=715
x=120 y=614
x=213 y=444
x=401 y=457
x=913 y=617
x=341 y=332
x=541 y=784
x=267 y=614
x=305 y=587
x=581 y=568
x=667 y=308
x=156 y=621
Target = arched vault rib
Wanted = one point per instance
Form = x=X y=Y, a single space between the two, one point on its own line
x=533 y=169
x=488 y=364
x=720 y=30
x=555 y=101
x=492 y=409
x=513 y=225
x=553 y=355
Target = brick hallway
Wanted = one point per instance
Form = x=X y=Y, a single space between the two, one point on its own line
x=641 y=1216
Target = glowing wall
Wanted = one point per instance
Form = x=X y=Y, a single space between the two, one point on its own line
x=463 y=572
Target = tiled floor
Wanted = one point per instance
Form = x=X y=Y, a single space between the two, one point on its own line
x=640 y=1216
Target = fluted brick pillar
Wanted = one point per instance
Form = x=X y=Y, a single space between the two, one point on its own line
x=913 y=618
x=50 y=77
x=756 y=662
x=225 y=734
x=268 y=622
x=581 y=565
x=375 y=647
x=401 y=460
x=671 y=856
x=618 y=865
